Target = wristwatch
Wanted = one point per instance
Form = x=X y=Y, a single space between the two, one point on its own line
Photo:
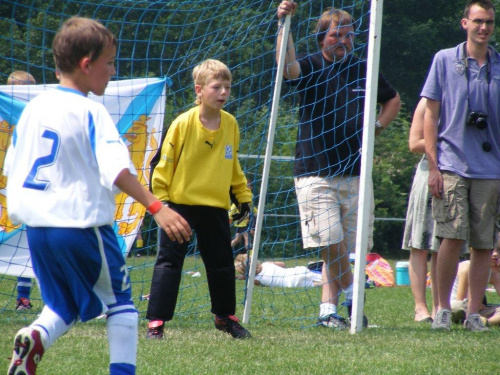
x=378 y=125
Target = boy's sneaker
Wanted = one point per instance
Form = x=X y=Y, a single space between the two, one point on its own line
x=348 y=304
x=442 y=320
x=28 y=351
x=155 y=329
x=230 y=324
x=332 y=321
x=476 y=323
x=23 y=304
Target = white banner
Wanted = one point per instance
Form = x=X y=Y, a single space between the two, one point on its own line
x=138 y=107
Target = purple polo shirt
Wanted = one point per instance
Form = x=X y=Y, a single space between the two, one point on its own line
x=459 y=145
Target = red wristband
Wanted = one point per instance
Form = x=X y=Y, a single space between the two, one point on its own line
x=155 y=207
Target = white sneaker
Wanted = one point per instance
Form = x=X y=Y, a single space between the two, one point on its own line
x=476 y=323
x=442 y=320
x=28 y=351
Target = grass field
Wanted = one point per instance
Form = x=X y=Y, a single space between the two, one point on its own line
x=393 y=344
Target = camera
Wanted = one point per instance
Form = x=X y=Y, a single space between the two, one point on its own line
x=478 y=119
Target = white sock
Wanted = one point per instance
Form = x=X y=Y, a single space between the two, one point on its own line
x=51 y=327
x=122 y=337
x=348 y=292
x=326 y=309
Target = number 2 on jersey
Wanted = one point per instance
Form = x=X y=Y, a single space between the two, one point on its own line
x=31 y=181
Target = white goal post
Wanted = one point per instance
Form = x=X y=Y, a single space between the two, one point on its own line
x=366 y=166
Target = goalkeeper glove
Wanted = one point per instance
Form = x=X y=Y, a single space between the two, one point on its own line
x=242 y=214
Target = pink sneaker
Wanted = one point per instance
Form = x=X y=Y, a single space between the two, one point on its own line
x=230 y=324
x=23 y=304
x=28 y=352
x=155 y=329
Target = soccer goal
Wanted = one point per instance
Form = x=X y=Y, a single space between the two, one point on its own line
x=161 y=41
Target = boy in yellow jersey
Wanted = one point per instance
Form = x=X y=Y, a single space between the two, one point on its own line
x=198 y=168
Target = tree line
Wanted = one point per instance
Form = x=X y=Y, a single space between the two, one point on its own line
x=167 y=38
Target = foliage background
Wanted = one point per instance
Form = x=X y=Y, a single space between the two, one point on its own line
x=149 y=34
x=152 y=42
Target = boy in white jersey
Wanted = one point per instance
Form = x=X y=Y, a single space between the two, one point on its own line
x=197 y=170
x=274 y=274
x=65 y=163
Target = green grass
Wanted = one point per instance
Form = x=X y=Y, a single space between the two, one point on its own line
x=284 y=345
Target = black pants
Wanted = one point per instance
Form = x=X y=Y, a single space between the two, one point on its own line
x=213 y=236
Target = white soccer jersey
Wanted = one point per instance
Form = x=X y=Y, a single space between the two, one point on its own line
x=62 y=163
x=296 y=277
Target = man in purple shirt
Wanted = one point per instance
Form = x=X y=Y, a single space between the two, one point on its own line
x=461 y=131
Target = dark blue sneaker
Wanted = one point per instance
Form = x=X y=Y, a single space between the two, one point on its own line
x=332 y=321
x=348 y=305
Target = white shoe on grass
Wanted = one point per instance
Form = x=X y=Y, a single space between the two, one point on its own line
x=442 y=320
x=476 y=323
x=28 y=352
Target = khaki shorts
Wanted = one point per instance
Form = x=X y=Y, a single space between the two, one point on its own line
x=468 y=210
x=329 y=211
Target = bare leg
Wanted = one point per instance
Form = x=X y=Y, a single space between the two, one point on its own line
x=418 y=282
x=435 y=298
x=236 y=240
x=245 y=238
x=479 y=273
x=494 y=320
x=447 y=261
x=463 y=281
x=337 y=260
x=331 y=289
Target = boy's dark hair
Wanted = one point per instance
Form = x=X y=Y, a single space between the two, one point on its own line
x=77 y=38
x=332 y=17
x=485 y=4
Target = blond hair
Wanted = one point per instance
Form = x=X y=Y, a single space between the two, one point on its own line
x=208 y=70
x=241 y=262
x=20 y=77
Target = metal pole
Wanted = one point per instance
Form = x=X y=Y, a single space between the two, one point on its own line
x=365 y=180
x=267 y=165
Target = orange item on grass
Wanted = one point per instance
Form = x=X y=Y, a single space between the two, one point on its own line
x=379 y=270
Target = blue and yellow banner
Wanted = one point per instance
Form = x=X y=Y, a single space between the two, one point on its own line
x=137 y=107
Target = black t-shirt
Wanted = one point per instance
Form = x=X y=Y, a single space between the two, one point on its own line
x=332 y=99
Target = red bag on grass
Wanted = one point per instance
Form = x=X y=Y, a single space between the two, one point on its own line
x=379 y=270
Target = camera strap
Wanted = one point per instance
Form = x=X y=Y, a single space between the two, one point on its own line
x=486 y=145
x=488 y=78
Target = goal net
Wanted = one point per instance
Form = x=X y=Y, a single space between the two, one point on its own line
x=162 y=41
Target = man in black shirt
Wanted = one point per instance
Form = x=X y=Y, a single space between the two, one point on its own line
x=331 y=86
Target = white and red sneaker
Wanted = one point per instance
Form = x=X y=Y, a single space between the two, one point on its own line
x=28 y=352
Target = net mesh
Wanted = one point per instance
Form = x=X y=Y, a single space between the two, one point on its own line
x=167 y=39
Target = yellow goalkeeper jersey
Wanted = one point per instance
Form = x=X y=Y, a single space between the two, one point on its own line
x=198 y=166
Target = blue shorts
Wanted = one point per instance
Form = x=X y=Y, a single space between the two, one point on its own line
x=81 y=272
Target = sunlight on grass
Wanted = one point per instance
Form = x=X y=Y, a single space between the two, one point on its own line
x=283 y=345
